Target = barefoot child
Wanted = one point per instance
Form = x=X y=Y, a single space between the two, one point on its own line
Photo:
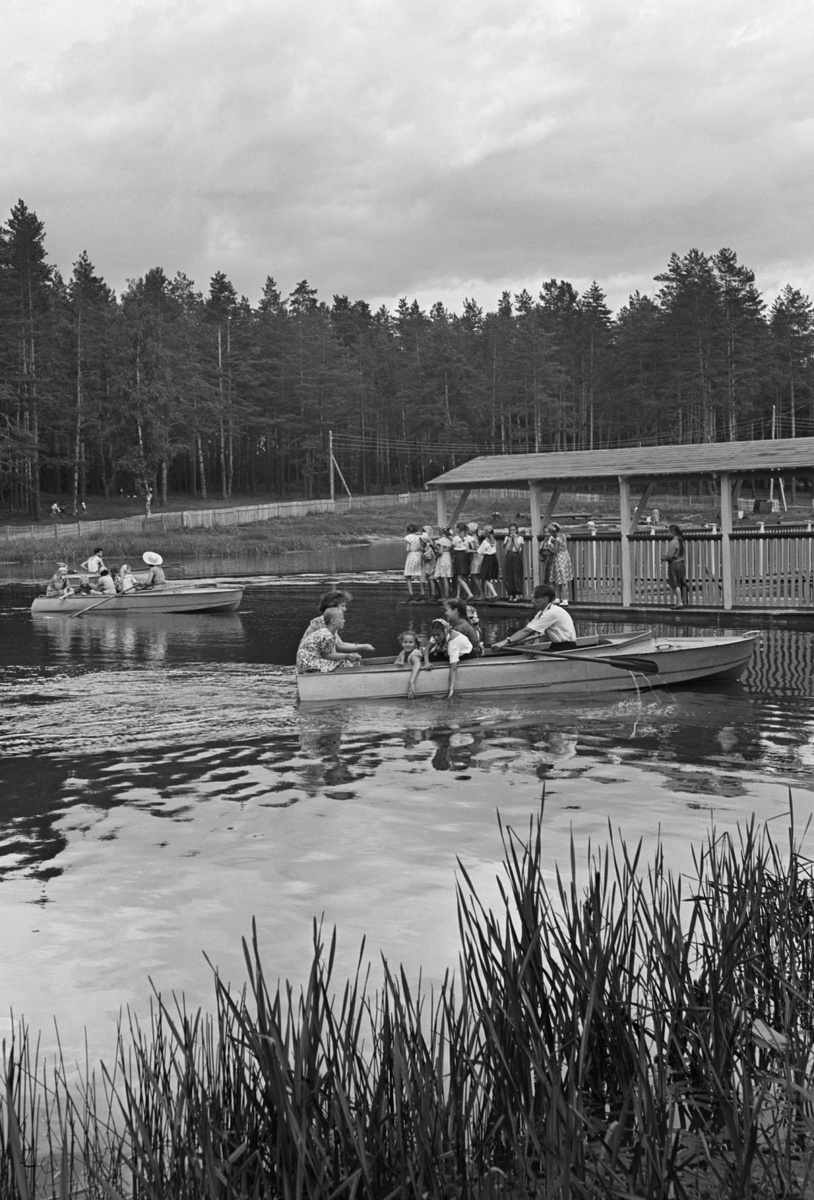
x=414 y=565
x=410 y=656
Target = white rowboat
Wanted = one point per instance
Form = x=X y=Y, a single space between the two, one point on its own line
x=210 y=598
x=588 y=669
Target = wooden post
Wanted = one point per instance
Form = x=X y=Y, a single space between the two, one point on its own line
x=441 y=505
x=625 y=556
x=459 y=506
x=536 y=528
x=552 y=504
x=727 y=581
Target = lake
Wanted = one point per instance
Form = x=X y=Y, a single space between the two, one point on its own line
x=160 y=789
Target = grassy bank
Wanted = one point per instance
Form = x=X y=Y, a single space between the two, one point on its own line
x=634 y=1037
x=266 y=538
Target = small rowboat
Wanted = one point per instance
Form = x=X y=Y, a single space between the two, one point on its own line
x=640 y=658
x=210 y=598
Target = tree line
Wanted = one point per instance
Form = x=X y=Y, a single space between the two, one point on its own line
x=166 y=388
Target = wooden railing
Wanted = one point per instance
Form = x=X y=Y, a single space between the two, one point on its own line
x=770 y=568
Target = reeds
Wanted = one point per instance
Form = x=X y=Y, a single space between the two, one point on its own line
x=616 y=1034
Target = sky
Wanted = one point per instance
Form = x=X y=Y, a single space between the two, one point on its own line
x=422 y=148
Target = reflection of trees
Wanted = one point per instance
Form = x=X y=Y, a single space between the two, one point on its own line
x=325 y=751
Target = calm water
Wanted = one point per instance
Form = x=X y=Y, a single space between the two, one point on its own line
x=159 y=788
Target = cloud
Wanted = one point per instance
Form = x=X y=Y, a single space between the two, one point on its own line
x=380 y=148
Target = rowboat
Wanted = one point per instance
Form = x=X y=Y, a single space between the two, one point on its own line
x=208 y=598
x=617 y=662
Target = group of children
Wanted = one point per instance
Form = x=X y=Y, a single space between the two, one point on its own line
x=452 y=637
x=461 y=562
x=464 y=562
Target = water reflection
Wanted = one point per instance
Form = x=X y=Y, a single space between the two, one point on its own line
x=159 y=788
x=104 y=639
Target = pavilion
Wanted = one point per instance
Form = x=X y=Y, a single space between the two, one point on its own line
x=634 y=471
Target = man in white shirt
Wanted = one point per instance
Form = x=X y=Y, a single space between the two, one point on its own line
x=550 y=620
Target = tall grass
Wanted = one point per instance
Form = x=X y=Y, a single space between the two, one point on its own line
x=621 y=1032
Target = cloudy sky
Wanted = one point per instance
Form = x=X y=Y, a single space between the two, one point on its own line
x=425 y=148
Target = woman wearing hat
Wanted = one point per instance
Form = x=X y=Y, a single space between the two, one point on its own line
x=155 y=576
x=58 y=586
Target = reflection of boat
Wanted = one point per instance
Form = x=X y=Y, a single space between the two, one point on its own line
x=587 y=669
x=209 y=598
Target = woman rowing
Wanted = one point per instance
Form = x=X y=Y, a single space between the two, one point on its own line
x=550 y=621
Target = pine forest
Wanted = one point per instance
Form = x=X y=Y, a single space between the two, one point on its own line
x=169 y=389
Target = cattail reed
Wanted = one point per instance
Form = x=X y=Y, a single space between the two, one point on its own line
x=625 y=1032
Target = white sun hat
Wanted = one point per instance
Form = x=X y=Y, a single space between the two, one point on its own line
x=152 y=559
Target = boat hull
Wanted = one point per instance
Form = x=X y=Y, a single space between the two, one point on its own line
x=211 y=599
x=679 y=660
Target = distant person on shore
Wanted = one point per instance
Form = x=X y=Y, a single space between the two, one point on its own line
x=56 y=511
x=550 y=621
x=561 y=570
x=414 y=563
x=410 y=656
x=674 y=556
x=319 y=648
x=155 y=576
x=513 y=574
x=58 y=586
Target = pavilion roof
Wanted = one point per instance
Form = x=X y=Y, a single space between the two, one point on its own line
x=697 y=460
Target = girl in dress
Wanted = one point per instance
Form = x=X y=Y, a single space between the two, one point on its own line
x=413 y=565
x=489 y=570
x=561 y=570
x=461 y=558
x=443 y=564
x=429 y=555
x=473 y=531
x=513 y=580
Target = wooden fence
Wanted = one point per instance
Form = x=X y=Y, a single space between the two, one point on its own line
x=770 y=568
x=246 y=514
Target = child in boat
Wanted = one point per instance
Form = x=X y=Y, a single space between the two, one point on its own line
x=459 y=614
x=447 y=645
x=414 y=565
x=410 y=656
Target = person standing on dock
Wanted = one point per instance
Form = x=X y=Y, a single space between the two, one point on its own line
x=561 y=570
x=676 y=567
x=513 y=575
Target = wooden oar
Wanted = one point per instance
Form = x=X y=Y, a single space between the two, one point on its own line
x=114 y=596
x=642 y=666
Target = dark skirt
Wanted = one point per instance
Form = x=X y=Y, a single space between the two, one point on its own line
x=489 y=568
x=461 y=561
x=561 y=646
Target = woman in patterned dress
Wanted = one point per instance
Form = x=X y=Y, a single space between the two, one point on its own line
x=561 y=570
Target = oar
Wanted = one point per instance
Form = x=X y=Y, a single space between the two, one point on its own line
x=114 y=596
x=643 y=666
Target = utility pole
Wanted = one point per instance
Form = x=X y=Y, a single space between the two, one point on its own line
x=331 y=461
